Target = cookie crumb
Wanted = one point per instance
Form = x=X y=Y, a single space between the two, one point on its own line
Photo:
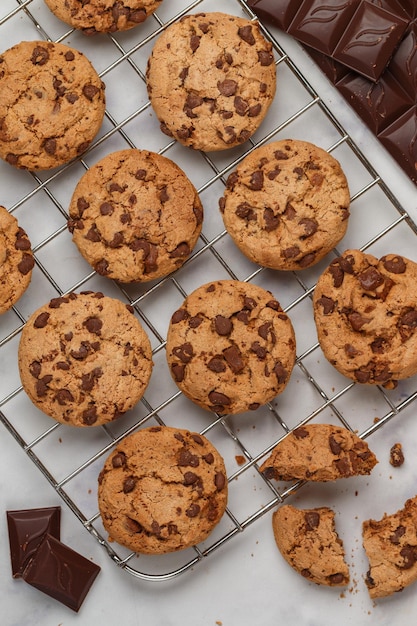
x=396 y=455
x=240 y=459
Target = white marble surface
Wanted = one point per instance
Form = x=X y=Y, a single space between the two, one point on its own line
x=245 y=582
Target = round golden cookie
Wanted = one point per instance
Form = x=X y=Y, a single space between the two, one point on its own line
x=391 y=547
x=286 y=205
x=135 y=216
x=308 y=541
x=162 y=489
x=103 y=16
x=16 y=261
x=51 y=104
x=211 y=78
x=230 y=347
x=84 y=359
x=365 y=310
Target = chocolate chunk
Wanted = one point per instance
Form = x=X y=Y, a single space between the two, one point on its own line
x=327 y=303
x=397 y=534
x=89 y=416
x=119 y=460
x=63 y=396
x=312 y=519
x=26 y=264
x=190 y=478
x=300 y=433
x=61 y=573
x=216 y=364
x=26 y=529
x=234 y=359
x=396 y=455
x=245 y=33
x=194 y=42
x=223 y=325
x=184 y=352
x=409 y=554
x=40 y=56
x=370 y=279
x=219 y=399
x=227 y=87
x=256 y=182
x=394 y=265
x=193 y=510
x=188 y=459
x=90 y=91
x=129 y=484
x=220 y=481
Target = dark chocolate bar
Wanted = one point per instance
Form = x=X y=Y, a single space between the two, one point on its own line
x=26 y=530
x=60 y=572
x=386 y=99
x=360 y=34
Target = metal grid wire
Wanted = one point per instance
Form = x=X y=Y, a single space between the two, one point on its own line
x=71 y=459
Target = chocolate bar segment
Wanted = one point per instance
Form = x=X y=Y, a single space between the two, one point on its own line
x=61 y=573
x=387 y=99
x=370 y=40
x=360 y=34
x=26 y=529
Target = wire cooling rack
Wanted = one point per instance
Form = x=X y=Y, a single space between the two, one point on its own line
x=70 y=458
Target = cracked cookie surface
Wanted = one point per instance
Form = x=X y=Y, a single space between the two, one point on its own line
x=51 y=104
x=211 y=79
x=365 y=310
x=391 y=547
x=103 y=16
x=16 y=260
x=319 y=452
x=84 y=359
x=308 y=541
x=135 y=216
x=286 y=205
x=230 y=346
x=162 y=489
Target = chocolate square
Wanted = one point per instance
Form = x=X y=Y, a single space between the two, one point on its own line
x=27 y=528
x=321 y=24
x=370 y=40
x=61 y=573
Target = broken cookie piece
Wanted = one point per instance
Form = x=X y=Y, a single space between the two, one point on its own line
x=391 y=547
x=308 y=541
x=319 y=452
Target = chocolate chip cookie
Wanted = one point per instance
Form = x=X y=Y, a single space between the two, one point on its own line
x=103 y=16
x=230 y=347
x=16 y=260
x=308 y=541
x=319 y=452
x=286 y=205
x=51 y=104
x=135 y=216
x=84 y=359
x=365 y=311
x=391 y=547
x=211 y=78
x=162 y=489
